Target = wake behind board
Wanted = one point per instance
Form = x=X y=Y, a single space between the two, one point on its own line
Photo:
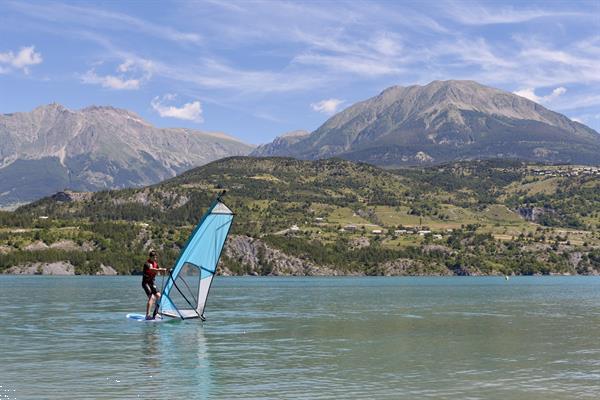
x=142 y=318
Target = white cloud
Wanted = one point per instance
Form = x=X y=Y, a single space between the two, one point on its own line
x=352 y=64
x=373 y=56
x=582 y=101
x=26 y=57
x=529 y=93
x=374 y=60
x=586 y=118
x=212 y=73
x=387 y=45
x=96 y=18
x=474 y=52
x=559 y=91
x=535 y=62
x=189 y=111
x=132 y=73
x=110 y=81
x=473 y=14
x=328 y=106
x=126 y=66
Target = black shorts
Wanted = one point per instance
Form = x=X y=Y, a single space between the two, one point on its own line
x=149 y=287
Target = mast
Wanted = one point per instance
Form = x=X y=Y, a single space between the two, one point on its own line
x=186 y=291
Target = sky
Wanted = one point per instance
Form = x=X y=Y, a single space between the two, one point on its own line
x=258 y=69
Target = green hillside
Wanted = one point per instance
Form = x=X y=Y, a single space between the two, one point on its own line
x=480 y=217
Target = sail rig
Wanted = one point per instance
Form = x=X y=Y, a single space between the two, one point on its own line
x=185 y=293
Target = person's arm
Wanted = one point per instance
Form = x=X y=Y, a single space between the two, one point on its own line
x=158 y=269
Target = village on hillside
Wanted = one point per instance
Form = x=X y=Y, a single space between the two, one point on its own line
x=566 y=171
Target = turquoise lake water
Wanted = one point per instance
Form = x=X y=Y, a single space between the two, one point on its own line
x=305 y=338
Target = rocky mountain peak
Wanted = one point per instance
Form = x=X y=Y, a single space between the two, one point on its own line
x=443 y=121
x=98 y=147
x=297 y=133
x=48 y=110
x=106 y=109
x=280 y=144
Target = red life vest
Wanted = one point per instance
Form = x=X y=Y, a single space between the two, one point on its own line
x=150 y=272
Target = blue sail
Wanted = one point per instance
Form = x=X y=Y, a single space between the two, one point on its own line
x=185 y=293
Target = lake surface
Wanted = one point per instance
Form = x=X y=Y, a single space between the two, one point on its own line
x=305 y=338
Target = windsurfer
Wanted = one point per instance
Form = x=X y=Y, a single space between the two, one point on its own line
x=151 y=269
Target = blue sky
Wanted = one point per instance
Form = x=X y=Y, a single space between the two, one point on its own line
x=257 y=69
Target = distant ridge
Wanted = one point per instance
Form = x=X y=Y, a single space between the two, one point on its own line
x=444 y=121
x=281 y=144
x=95 y=148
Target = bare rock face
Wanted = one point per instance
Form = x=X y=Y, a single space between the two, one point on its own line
x=106 y=270
x=423 y=157
x=280 y=145
x=437 y=248
x=67 y=245
x=36 y=246
x=534 y=213
x=56 y=268
x=445 y=121
x=360 y=242
x=260 y=259
x=575 y=259
x=52 y=148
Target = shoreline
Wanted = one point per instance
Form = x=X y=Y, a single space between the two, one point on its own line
x=321 y=276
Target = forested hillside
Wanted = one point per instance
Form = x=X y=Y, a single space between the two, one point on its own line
x=330 y=217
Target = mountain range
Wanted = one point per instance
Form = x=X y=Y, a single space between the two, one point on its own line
x=96 y=148
x=52 y=148
x=443 y=121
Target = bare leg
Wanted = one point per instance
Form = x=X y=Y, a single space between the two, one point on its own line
x=157 y=295
x=149 y=305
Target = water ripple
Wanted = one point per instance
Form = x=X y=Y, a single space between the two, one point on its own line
x=317 y=338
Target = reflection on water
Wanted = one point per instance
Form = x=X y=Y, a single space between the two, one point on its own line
x=184 y=356
x=284 y=338
x=150 y=356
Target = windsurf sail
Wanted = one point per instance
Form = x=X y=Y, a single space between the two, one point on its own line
x=185 y=293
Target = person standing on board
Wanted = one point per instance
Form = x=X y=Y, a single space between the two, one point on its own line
x=151 y=269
